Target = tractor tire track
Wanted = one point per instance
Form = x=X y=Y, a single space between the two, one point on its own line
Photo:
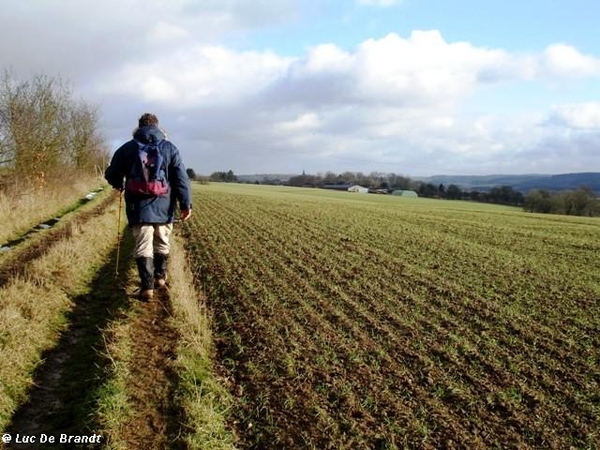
x=16 y=263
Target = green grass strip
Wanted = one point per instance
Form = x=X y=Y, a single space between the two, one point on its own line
x=204 y=401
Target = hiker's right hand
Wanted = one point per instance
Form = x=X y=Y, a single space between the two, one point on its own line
x=185 y=214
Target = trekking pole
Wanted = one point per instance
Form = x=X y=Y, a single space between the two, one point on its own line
x=119 y=233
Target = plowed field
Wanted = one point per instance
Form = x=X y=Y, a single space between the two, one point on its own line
x=347 y=321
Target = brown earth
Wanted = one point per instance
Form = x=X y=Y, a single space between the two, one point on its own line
x=155 y=421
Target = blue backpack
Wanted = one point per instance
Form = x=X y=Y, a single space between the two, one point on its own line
x=148 y=176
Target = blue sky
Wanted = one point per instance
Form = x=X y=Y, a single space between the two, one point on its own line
x=280 y=86
x=520 y=26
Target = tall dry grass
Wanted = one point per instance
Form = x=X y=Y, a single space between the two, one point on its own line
x=33 y=306
x=23 y=207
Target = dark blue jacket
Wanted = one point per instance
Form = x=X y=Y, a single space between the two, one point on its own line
x=144 y=209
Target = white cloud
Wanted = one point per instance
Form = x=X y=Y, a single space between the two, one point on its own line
x=199 y=76
x=327 y=58
x=582 y=116
x=422 y=68
x=79 y=39
x=566 y=62
x=392 y=103
x=307 y=122
x=162 y=32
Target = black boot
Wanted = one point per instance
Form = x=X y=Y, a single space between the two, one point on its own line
x=160 y=269
x=146 y=271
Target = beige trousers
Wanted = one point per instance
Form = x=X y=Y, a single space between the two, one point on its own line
x=151 y=239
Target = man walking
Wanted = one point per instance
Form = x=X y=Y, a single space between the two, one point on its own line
x=150 y=171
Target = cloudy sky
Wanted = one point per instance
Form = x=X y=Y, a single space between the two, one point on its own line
x=414 y=87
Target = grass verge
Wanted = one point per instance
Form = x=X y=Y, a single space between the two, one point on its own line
x=36 y=242
x=115 y=409
x=203 y=399
x=160 y=391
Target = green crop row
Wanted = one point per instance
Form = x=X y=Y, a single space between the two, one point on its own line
x=348 y=320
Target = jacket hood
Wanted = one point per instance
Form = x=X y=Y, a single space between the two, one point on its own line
x=148 y=134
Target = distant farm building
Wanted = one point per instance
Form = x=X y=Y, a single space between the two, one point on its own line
x=337 y=187
x=359 y=189
x=405 y=193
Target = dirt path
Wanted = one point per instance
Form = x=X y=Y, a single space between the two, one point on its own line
x=63 y=397
x=151 y=385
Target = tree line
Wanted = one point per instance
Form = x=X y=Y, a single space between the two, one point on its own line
x=46 y=134
x=579 y=202
x=226 y=177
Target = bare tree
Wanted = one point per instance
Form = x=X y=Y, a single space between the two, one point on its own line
x=43 y=130
x=87 y=149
